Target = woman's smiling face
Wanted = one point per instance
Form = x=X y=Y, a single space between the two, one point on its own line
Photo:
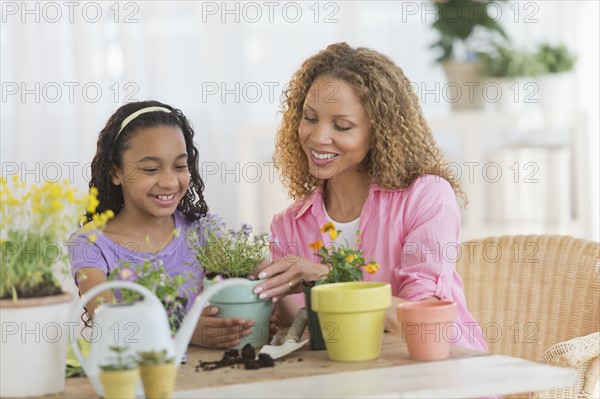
x=334 y=131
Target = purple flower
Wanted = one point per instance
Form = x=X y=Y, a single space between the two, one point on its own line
x=127 y=274
x=246 y=229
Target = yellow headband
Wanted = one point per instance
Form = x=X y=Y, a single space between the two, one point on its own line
x=137 y=113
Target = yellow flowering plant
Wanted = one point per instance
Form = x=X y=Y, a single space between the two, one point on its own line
x=35 y=221
x=345 y=263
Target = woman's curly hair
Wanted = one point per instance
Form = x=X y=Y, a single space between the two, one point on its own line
x=109 y=154
x=402 y=145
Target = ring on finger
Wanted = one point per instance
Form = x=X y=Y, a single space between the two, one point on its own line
x=291 y=283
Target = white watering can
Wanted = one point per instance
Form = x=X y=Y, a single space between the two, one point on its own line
x=141 y=326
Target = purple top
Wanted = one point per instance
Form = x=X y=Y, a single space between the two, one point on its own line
x=104 y=254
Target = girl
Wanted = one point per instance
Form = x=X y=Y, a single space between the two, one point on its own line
x=353 y=147
x=145 y=170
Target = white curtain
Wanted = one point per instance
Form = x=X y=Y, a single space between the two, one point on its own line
x=223 y=63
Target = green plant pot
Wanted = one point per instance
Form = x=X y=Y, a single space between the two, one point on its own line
x=243 y=303
x=314 y=329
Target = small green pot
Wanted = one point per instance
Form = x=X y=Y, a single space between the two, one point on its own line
x=317 y=342
x=243 y=303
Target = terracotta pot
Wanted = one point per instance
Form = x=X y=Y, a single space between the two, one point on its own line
x=427 y=327
x=314 y=329
x=119 y=384
x=244 y=304
x=352 y=318
x=34 y=345
x=158 y=380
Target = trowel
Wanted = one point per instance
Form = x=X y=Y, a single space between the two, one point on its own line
x=291 y=341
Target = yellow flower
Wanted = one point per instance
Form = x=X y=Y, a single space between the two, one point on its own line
x=349 y=258
x=330 y=228
x=92 y=204
x=57 y=206
x=327 y=226
x=315 y=246
x=333 y=234
x=372 y=268
x=38 y=216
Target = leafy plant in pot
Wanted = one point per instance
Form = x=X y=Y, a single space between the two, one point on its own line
x=169 y=290
x=465 y=28
x=158 y=373
x=229 y=253
x=119 y=377
x=558 y=63
x=512 y=70
x=35 y=222
x=346 y=265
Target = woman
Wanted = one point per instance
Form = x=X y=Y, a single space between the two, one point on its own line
x=354 y=148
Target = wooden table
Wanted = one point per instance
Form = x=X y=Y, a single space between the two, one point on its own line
x=307 y=373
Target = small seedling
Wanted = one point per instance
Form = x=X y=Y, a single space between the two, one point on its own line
x=121 y=362
x=149 y=358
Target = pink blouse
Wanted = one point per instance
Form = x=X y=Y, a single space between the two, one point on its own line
x=412 y=233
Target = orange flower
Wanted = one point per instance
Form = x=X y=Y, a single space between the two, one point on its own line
x=315 y=246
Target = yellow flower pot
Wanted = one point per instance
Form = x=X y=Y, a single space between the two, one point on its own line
x=159 y=380
x=352 y=318
x=119 y=384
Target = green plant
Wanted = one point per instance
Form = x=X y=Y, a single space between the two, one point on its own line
x=556 y=59
x=226 y=252
x=120 y=362
x=345 y=263
x=504 y=61
x=458 y=22
x=150 y=274
x=34 y=224
x=151 y=358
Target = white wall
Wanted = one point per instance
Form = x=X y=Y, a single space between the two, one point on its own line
x=176 y=52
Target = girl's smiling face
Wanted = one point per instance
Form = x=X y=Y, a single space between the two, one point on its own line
x=334 y=131
x=154 y=175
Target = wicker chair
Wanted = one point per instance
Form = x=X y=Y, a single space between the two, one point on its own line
x=537 y=297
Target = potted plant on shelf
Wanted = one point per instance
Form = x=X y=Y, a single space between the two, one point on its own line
x=158 y=373
x=119 y=378
x=346 y=265
x=558 y=63
x=465 y=28
x=35 y=221
x=169 y=290
x=512 y=72
x=228 y=253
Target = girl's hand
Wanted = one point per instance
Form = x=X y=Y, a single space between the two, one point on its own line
x=283 y=277
x=220 y=333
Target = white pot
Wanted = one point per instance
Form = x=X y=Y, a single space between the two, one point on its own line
x=512 y=95
x=33 y=351
x=463 y=88
x=557 y=91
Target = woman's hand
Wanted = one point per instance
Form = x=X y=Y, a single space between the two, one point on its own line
x=220 y=333
x=283 y=277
